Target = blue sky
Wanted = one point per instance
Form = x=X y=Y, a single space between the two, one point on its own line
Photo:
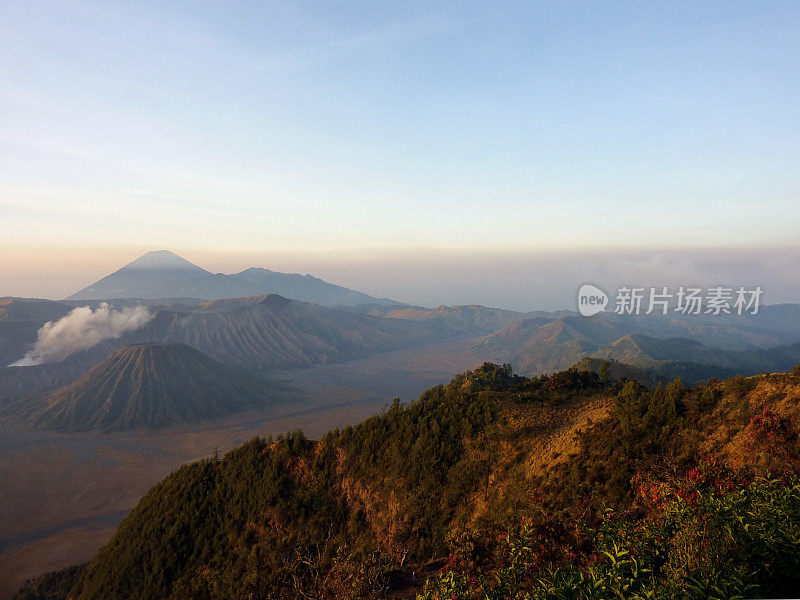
x=281 y=127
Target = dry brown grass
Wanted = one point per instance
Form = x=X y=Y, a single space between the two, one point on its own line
x=531 y=439
x=729 y=434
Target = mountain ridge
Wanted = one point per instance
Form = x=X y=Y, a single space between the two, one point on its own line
x=535 y=482
x=164 y=274
x=542 y=345
x=254 y=334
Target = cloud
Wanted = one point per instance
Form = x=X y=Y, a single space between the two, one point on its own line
x=82 y=328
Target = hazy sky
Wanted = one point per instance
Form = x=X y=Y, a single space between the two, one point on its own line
x=318 y=134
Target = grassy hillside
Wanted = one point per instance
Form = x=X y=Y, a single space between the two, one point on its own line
x=651 y=374
x=494 y=486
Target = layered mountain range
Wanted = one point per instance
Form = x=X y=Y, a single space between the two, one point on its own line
x=163 y=274
x=272 y=333
x=542 y=345
x=267 y=334
x=368 y=510
x=255 y=334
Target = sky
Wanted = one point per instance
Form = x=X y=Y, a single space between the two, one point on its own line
x=393 y=147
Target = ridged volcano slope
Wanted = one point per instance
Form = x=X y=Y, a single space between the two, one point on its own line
x=149 y=385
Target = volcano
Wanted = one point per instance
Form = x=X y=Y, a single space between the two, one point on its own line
x=147 y=386
x=163 y=274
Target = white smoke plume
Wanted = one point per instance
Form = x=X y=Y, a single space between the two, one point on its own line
x=82 y=328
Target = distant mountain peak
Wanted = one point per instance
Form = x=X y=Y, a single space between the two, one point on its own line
x=164 y=274
x=161 y=259
x=152 y=275
x=275 y=300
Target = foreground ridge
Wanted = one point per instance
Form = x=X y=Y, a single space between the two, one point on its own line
x=493 y=486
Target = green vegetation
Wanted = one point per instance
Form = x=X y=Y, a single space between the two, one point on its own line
x=51 y=586
x=493 y=486
x=275 y=515
x=710 y=534
x=655 y=372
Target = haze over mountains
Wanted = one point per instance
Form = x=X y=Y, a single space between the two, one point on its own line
x=257 y=334
x=747 y=345
x=456 y=319
x=190 y=363
x=264 y=332
x=163 y=274
x=272 y=332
